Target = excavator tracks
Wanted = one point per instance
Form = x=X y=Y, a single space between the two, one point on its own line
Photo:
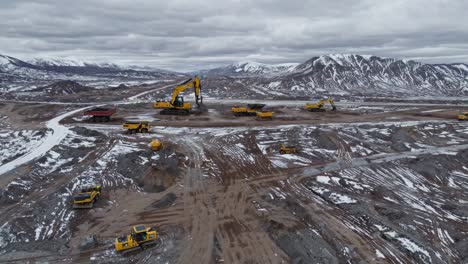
x=174 y=112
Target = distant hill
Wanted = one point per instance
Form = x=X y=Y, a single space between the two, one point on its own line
x=16 y=74
x=63 y=88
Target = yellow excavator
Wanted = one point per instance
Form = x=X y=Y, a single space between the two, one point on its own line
x=177 y=106
x=320 y=106
x=141 y=237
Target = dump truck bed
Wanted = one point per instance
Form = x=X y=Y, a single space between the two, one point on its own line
x=256 y=106
x=100 y=111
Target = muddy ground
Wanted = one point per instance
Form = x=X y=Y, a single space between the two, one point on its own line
x=369 y=184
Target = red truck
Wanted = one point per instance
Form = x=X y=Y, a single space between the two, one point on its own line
x=100 y=114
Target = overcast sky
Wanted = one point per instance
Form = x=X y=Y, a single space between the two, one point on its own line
x=188 y=34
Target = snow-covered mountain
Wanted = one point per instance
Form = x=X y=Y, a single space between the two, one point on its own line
x=357 y=74
x=18 y=74
x=336 y=74
x=365 y=75
x=250 y=69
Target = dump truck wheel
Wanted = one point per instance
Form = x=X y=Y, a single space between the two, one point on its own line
x=144 y=130
x=282 y=152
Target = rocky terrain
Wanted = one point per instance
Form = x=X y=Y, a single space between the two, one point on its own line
x=374 y=182
x=370 y=183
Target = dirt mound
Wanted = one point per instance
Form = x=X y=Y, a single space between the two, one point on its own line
x=120 y=87
x=64 y=87
x=165 y=202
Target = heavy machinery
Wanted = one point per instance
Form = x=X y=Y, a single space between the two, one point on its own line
x=100 y=114
x=264 y=115
x=133 y=127
x=87 y=196
x=320 y=106
x=156 y=145
x=177 y=106
x=249 y=110
x=463 y=116
x=141 y=237
x=287 y=149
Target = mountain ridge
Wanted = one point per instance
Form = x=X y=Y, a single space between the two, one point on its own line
x=333 y=74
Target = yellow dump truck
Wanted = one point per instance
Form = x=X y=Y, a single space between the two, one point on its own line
x=287 y=149
x=249 y=110
x=87 y=196
x=156 y=145
x=133 y=127
x=463 y=116
x=141 y=237
x=264 y=115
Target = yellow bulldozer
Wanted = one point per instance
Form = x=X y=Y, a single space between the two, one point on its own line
x=141 y=237
x=87 y=196
x=133 y=127
x=320 y=106
x=463 y=116
x=177 y=106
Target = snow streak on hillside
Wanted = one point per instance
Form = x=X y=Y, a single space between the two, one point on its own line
x=243 y=69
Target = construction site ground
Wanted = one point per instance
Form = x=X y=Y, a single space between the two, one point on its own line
x=380 y=183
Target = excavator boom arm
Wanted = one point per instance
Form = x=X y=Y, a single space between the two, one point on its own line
x=195 y=82
x=332 y=103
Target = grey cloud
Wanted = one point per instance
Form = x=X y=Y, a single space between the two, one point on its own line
x=185 y=34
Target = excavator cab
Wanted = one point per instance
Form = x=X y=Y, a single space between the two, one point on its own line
x=179 y=101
